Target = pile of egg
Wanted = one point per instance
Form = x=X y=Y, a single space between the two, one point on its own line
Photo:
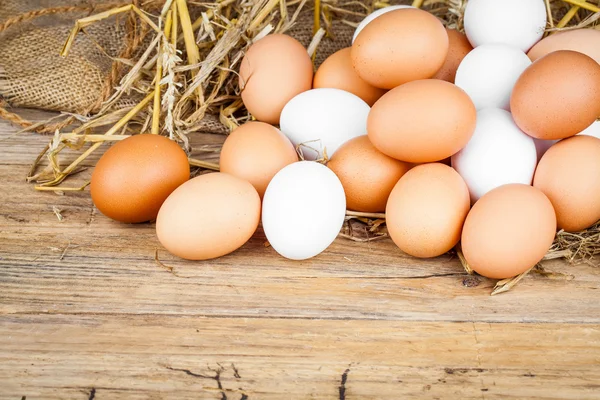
x=484 y=138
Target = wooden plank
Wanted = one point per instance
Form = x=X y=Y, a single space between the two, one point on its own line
x=160 y=356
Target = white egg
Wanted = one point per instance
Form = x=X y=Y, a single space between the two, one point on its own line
x=374 y=15
x=498 y=153
x=303 y=210
x=592 y=130
x=323 y=119
x=542 y=146
x=518 y=23
x=488 y=74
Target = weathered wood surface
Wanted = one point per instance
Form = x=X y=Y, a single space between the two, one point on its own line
x=86 y=312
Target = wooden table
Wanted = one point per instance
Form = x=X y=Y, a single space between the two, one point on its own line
x=87 y=313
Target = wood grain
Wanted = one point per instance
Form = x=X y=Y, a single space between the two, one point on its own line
x=87 y=312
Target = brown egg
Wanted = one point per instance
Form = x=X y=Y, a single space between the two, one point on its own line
x=426 y=210
x=255 y=152
x=135 y=176
x=422 y=121
x=367 y=175
x=458 y=49
x=558 y=96
x=582 y=40
x=274 y=69
x=208 y=216
x=569 y=174
x=337 y=72
x=509 y=230
x=400 y=46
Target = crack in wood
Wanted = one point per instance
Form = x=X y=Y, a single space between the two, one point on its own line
x=92 y=394
x=342 y=387
x=216 y=377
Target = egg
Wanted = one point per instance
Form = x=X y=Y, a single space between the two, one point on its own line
x=400 y=46
x=508 y=231
x=517 y=23
x=459 y=47
x=321 y=120
x=255 y=152
x=558 y=96
x=422 y=121
x=303 y=210
x=367 y=175
x=582 y=40
x=497 y=154
x=489 y=73
x=337 y=72
x=134 y=177
x=209 y=216
x=426 y=210
x=569 y=174
x=273 y=70
x=374 y=15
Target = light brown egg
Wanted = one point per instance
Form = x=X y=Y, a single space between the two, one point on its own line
x=400 y=46
x=458 y=49
x=569 y=174
x=422 y=121
x=134 y=177
x=558 y=96
x=585 y=41
x=426 y=210
x=255 y=152
x=367 y=175
x=209 y=216
x=274 y=69
x=509 y=230
x=337 y=72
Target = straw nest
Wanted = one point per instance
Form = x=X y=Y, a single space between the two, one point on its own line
x=181 y=59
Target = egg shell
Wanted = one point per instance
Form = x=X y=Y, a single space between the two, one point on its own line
x=274 y=70
x=582 y=40
x=324 y=119
x=373 y=15
x=569 y=174
x=133 y=178
x=400 y=46
x=458 y=48
x=518 y=23
x=337 y=72
x=426 y=210
x=489 y=73
x=508 y=231
x=209 y=216
x=558 y=96
x=497 y=154
x=255 y=152
x=401 y=123
x=367 y=175
x=303 y=210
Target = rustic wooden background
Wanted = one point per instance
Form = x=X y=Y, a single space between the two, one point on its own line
x=87 y=313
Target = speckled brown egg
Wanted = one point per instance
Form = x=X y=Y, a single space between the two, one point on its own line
x=569 y=174
x=582 y=40
x=337 y=72
x=558 y=96
x=508 y=231
x=208 y=217
x=422 y=121
x=367 y=175
x=458 y=49
x=426 y=210
x=256 y=152
x=274 y=69
x=400 y=46
x=134 y=177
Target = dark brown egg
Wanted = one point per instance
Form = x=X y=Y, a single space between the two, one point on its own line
x=135 y=176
